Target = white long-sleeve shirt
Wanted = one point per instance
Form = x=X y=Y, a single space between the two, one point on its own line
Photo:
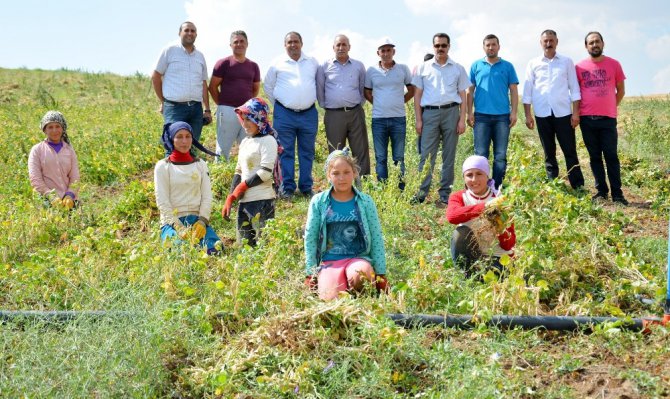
x=292 y=83
x=257 y=155
x=182 y=190
x=551 y=85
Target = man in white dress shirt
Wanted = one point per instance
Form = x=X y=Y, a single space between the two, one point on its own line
x=290 y=85
x=553 y=90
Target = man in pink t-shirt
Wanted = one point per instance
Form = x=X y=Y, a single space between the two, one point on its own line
x=235 y=79
x=601 y=82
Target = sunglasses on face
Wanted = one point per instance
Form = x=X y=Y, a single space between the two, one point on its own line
x=440 y=45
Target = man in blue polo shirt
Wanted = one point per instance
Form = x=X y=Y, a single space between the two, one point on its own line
x=385 y=89
x=495 y=97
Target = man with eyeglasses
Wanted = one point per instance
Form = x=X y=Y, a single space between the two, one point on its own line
x=339 y=89
x=180 y=82
x=385 y=85
x=493 y=99
x=440 y=111
x=235 y=79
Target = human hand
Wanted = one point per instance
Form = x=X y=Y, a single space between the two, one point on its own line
x=67 y=202
x=418 y=125
x=460 y=127
x=311 y=283
x=495 y=202
x=512 y=120
x=225 y=212
x=498 y=224
x=530 y=122
x=574 y=120
x=471 y=120
x=382 y=284
x=198 y=230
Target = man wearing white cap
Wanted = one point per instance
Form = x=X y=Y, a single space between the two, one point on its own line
x=385 y=89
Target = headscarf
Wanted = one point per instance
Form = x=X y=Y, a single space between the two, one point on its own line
x=343 y=153
x=481 y=163
x=170 y=130
x=57 y=117
x=256 y=110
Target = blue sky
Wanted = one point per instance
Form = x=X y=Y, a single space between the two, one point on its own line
x=126 y=37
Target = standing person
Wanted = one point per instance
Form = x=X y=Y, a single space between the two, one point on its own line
x=440 y=111
x=385 y=89
x=481 y=233
x=290 y=85
x=495 y=98
x=235 y=79
x=184 y=190
x=339 y=83
x=252 y=182
x=344 y=245
x=180 y=82
x=52 y=164
x=551 y=87
x=601 y=80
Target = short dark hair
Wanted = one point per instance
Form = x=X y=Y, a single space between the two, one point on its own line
x=489 y=37
x=293 y=33
x=239 y=33
x=548 y=32
x=594 y=33
x=186 y=22
x=444 y=35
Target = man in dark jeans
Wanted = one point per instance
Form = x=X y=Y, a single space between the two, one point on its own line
x=601 y=81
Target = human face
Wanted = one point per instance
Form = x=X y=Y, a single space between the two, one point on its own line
x=250 y=127
x=293 y=46
x=441 y=48
x=188 y=33
x=54 y=132
x=341 y=47
x=475 y=180
x=183 y=141
x=349 y=233
x=386 y=54
x=491 y=48
x=239 y=45
x=594 y=45
x=341 y=175
x=549 y=43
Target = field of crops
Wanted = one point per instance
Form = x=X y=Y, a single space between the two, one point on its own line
x=243 y=326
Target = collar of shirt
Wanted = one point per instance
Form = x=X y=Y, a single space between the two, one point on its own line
x=449 y=62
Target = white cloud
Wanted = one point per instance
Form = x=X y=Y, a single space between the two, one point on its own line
x=657 y=49
x=662 y=81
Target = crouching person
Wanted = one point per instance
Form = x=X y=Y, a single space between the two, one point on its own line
x=481 y=234
x=52 y=164
x=256 y=168
x=184 y=190
x=344 y=246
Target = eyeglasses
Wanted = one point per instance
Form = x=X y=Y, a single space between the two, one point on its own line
x=440 y=45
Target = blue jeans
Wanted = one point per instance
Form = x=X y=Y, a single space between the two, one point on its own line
x=295 y=126
x=190 y=112
x=384 y=129
x=168 y=232
x=493 y=128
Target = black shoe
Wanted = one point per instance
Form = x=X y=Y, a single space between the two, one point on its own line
x=441 y=204
x=599 y=196
x=286 y=196
x=308 y=194
x=621 y=200
x=417 y=200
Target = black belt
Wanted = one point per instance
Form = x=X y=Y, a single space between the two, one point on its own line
x=443 y=106
x=596 y=117
x=297 y=111
x=188 y=103
x=345 y=109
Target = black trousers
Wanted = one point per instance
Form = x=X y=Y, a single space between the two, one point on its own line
x=600 y=137
x=551 y=129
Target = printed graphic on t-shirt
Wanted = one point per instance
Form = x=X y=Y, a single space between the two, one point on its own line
x=597 y=81
x=344 y=238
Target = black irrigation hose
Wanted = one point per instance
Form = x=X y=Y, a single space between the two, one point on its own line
x=59 y=316
x=552 y=323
